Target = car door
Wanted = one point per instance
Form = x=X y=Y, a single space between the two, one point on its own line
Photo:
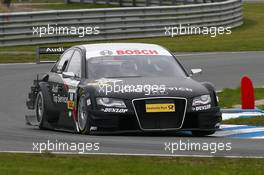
x=58 y=91
x=71 y=78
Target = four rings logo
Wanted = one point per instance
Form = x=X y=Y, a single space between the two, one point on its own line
x=106 y=52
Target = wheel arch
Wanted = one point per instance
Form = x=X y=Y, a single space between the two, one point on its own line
x=44 y=88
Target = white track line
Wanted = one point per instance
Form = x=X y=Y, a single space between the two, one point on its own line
x=257 y=137
x=237 y=131
x=230 y=126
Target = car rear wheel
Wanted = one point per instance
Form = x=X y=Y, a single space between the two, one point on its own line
x=41 y=111
x=202 y=133
x=83 y=117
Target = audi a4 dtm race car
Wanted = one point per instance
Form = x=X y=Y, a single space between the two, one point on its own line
x=123 y=87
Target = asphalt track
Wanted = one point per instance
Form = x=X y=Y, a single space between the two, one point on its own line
x=223 y=69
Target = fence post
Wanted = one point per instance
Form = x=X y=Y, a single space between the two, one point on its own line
x=160 y=2
x=120 y=3
x=37 y=56
x=147 y=3
x=134 y=3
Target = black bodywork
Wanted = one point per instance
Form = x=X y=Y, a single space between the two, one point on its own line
x=60 y=91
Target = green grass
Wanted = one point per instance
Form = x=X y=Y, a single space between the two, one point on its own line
x=249 y=37
x=261 y=107
x=48 y=164
x=254 y=121
x=54 y=6
x=230 y=97
x=39 y=1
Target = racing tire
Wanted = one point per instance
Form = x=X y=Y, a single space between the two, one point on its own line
x=202 y=133
x=41 y=111
x=83 y=117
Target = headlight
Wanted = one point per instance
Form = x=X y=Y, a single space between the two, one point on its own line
x=111 y=102
x=202 y=100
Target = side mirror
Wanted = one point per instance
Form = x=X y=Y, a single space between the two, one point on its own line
x=68 y=75
x=196 y=72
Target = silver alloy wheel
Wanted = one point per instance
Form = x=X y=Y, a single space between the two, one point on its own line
x=40 y=107
x=82 y=115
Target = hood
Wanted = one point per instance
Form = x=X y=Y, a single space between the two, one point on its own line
x=131 y=88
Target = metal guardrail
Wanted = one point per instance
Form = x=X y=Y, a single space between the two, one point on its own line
x=138 y=3
x=116 y=23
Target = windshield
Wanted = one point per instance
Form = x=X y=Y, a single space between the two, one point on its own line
x=133 y=66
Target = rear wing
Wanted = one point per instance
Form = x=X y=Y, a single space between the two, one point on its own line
x=49 y=50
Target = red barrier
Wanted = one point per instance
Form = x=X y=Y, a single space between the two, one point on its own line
x=247 y=93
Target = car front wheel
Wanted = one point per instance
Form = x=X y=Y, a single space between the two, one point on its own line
x=83 y=117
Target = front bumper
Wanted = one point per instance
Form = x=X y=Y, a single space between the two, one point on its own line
x=207 y=120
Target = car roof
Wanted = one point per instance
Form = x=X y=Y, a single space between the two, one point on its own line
x=107 y=49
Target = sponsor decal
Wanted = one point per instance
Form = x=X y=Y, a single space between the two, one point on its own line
x=55 y=89
x=93 y=128
x=52 y=50
x=56 y=50
x=59 y=99
x=180 y=89
x=137 y=52
x=70 y=104
x=71 y=88
x=201 y=108
x=170 y=107
x=114 y=110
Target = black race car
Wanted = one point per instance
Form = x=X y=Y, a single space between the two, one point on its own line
x=123 y=87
